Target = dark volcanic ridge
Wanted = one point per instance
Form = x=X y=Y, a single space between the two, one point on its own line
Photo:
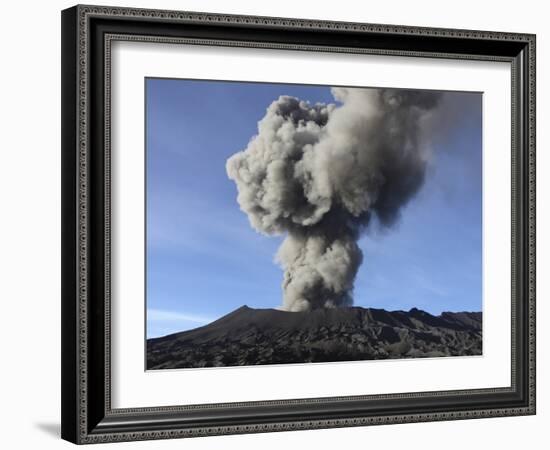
x=268 y=336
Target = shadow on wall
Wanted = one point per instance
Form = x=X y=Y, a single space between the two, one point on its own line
x=53 y=429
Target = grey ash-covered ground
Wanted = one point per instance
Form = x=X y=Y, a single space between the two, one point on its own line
x=267 y=336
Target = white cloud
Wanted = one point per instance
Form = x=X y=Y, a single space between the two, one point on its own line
x=159 y=315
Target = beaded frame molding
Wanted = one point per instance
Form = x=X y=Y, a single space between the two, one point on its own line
x=87 y=35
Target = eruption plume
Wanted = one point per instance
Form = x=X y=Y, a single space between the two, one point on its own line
x=318 y=173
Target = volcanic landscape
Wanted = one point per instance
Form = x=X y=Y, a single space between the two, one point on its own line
x=250 y=336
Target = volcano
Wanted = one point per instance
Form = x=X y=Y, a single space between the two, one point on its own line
x=249 y=336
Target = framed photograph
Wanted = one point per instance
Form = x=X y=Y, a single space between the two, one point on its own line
x=280 y=224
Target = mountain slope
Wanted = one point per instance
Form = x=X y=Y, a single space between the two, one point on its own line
x=249 y=336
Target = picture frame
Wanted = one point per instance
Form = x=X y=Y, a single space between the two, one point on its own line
x=88 y=415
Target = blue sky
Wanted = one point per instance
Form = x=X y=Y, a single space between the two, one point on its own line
x=203 y=258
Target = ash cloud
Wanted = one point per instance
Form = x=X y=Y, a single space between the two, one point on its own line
x=318 y=174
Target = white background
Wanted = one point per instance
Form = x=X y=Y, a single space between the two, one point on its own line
x=30 y=229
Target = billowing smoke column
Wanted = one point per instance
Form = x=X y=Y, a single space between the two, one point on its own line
x=318 y=173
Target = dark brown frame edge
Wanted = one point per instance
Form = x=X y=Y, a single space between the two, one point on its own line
x=87 y=416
